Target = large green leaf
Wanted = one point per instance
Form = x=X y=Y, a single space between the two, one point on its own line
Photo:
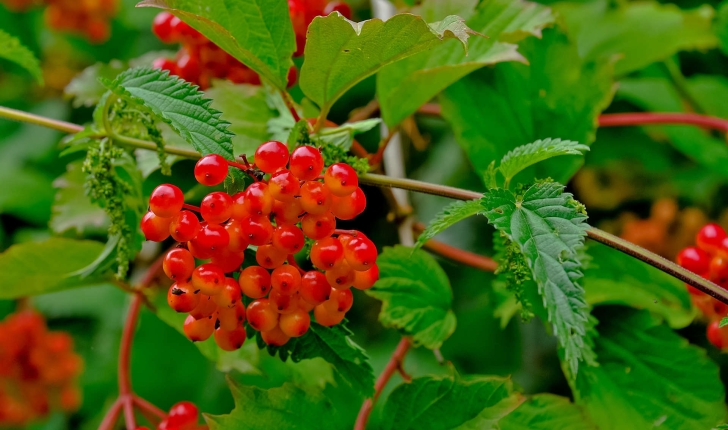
x=406 y=85
x=547 y=412
x=721 y=26
x=259 y=33
x=527 y=155
x=493 y=111
x=649 y=377
x=602 y=31
x=72 y=209
x=416 y=296
x=549 y=230
x=33 y=268
x=340 y=53
x=286 y=407
x=452 y=214
x=11 y=49
x=612 y=277
x=471 y=402
x=179 y=104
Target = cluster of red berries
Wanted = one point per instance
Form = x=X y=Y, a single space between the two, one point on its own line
x=275 y=215
x=182 y=416
x=88 y=18
x=709 y=259
x=38 y=370
x=200 y=61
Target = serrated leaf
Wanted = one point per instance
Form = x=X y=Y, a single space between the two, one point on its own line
x=723 y=322
x=286 y=407
x=612 y=277
x=603 y=31
x=179 y=104
x=343 y=136
x=527 y=155
x=471 y=402
x=33 y=268
x=452 y=214
x=339 y=53
x=406 y=85
x=258 y=33
x=649 y=377
x=547 y=412
x=72 y=209
x=416 y=296
x=12 y=50
x=558 y=94
x=549 y=230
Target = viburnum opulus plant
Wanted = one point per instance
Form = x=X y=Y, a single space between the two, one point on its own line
x=256 y=193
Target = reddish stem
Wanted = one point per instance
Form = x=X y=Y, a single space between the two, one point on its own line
x=641 y=118
x=394 y=365
x=349 y=232
x=376 y=159
x=292 y=263
x=244 y=168
x=150 y=409
x=125 y=350
x=129 y=412
x=359 y=150
x=431 y=109
x=456 y=254
x=191 y=207
x=112 y=415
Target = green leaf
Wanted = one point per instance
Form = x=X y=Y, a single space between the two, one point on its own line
x=85 y=89
x=649 y=377
x=246 y=108
x=452 y=214
x=11 y=49
x=406 y=85
x=471 y=402
x=545 y=224
x=416 y=296
x=432 y=10
x=72 y=209
x=721 y=26
x=602 y=31
x=612 y=277
x=495 y=110
x=527 y=155
x=547 y=412
x=286 y=407
x=340 y=53
x=723 y=322
x=343 y=135
x=35 y=268
x=179 y=104
x=258 y=33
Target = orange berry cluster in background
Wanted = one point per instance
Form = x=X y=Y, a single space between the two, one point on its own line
x=38 y=370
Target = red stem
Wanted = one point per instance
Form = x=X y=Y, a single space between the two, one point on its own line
x=150 y=409
x=292 y=263
x=456 y=254
x=125 y=350
x=129 y=412
x=394 y=365
x=112 y=415
x=244 y=168
x=641 y=118
x=349 y=232
x=191 y=207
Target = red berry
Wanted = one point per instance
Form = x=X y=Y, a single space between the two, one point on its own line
x=716 y=335
x=162 y=27
x=306 y=163
x=292 y=77
x=283 y=303
x=360 y=253
x=315 y=197
x=182 y=298
x=349 y=207
x=286 y=213
x=230 y=295
x=231 y=318
x=165 y=64
x=718 y=269
x=318 y=226
x=183 y=413
x=208 y=278
x=305 y=306
x=217 y=207
x=261 y=315
x=238 y=241
x=211 y=239
x=230 y=340
x=315 y=289
x=289 y=239
x=326 y=318
x=255 y=282
x=341 y=179
x=295 y=324
x=198 y=330
x=205 y=308
x=211 y=170
x=365 y=280
x=340 y=301
x=284 y=186
x=227 y=260
x=694 y=259
x=270 y=257
x=166 y=201
x=155 y=228
x=257 y=199
x=271 y=156
x=239 y=211
x=275 y=337
x=341 y=277
x=184 y=226
x=188 y=67
x=258 y=230
x=327 y=253
x=710 y=237
x=178 y=264
x=286 y=279
x=197 y=252
x=338 y=6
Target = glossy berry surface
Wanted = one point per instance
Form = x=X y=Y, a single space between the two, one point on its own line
x=211 y=170
x=271 y=156
x=286 y=279
x=178 y=264
x=315 y=288
x=155 y=228
x=261 y=316
x=183 y=413
x=295 y=324
x=710 y=237
x=166 y=200
x=184 y=226
x=289 y=239
x=306 y=163
x=341 y=179
x=694 y=259
x=208 y=278
x=217 y=207
x=182 y=298
x=275 y=337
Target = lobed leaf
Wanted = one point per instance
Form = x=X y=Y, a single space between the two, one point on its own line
x=545 y=224
x=416 y=296
x=547 y=412
x=527 y=155
x=72 y=209
x=12 y=50
x=452 y=214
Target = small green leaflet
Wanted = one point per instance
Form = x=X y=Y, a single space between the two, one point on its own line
x=723 y=322
x=549 y=230
x=416 y=296
x=527 y=155
x=12 y=50
x=343 y=136
x=179 y=104
x=472 y=402
x=258 y=33
x=452 y=214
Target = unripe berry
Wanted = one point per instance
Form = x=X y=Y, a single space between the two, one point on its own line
x=366 y=279
x=286 y=279
x=341 y=277
x=709 y=237
x=270 y=257
x=255 y=282
x=327 y=253
x=178 y=264
x=257 y=230
x=271 y=156
x=315 y=197
x=340 y=301
x=182 y=298
x=326 y=318
x=349 y=207
x=155 y=228
x=230 y=340
x=182 y=414
x=295 y=324
x=184 y=226
x=360 y=253
x=284 y=186
x=208 y=278
x=166 y=200
x=275 y=337
x=306 y=163
x=341 y=179
x=694 y=259
x=211 y=170
x=217 y=207
x=261 y=316
x=198 y=330
x=231 y=318
x=318 y=226
x=230 y=294
x=257 y=199
x=315 y=289
x=205 y=308
x=211 y=239
x=289 y=239
x=283 y=303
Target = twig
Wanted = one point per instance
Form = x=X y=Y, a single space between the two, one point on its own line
x=112 y=415
x=642 y=118
x=292 y=262
x=376 y=159
x=365 y=112
x=456 y=254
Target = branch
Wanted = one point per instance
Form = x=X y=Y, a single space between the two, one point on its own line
x=394 y=365
x=642 y=118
